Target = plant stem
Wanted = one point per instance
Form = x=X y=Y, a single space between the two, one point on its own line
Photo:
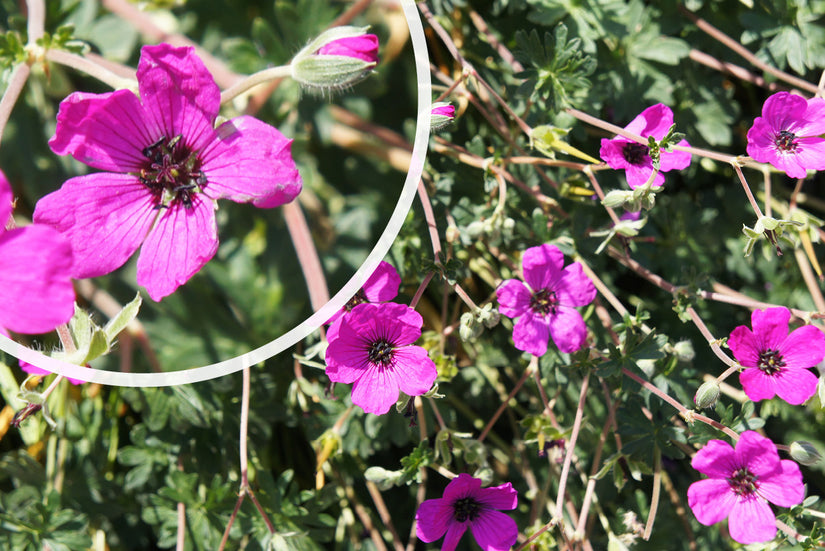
x=91 y=68
x=255 y=79
x=534 y=362
x=571 y=446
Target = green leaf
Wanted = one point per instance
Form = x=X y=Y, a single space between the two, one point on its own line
x=122 y=319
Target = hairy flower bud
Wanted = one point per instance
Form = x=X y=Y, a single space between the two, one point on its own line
x=707 y=395
x=441 y=115
x=684 y=351
x=339 y=57
x=805 y=453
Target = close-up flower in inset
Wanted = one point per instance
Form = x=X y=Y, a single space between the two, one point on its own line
x=374 y=351
x=36 y=291
x=776 y=362
x=441 y=115
x=166 y=166
x=338 y=58
x=381 y=286
x=634 y=158
x=544 y=305
x=787 y=135
x=465 y=504
x=742 y=482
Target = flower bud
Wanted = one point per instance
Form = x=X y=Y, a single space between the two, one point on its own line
x=707 y=395
x=339 y=57
x=684 y=351
x=805 y=453
x=468 y=329
x=442 y=115
x=488 y=315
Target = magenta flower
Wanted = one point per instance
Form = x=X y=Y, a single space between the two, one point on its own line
x=787 y=134
x=381 y=286
x=444 y=110
x=374 y=351
x=364 y=47
x=742 y=482
x=466 y=504
x=543 y=306
x=634 y=158
x=777 y=362
x=166 y=165
x=36 y=291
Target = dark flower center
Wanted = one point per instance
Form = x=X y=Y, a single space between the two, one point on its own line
x=380 y=352
x=359 y=298
x=635 y=153
x=785 y=141
x=544 y=302
x=172 y=172
x=466 y=508
x=743 y=482
x=770 y=361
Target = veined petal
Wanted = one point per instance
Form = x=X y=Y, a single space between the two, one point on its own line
x=513 y=298
x=105 y=131
x=494 y=531
x=612 y=152
x=414 y=369
x=498 y=497
x=810 y=153
x=36 y=292
x=531 y=334
x=574 y=288
x=432 y=519
x=104 y=216
x=783 y=111
x=567 y=329
x=675 y=160
x=180 y=244
x=179 y=94
x=638 y=175
x=770 y=326
x=751 y=521
x=757 y=453
x=541 y=265
x=757 y=385
x=795 y=385
x=396 y=323
x=376 y=391
x=653 y=121
x=463 y=485
x=383 y=284
x=814 y=124
x=251 y=163
x=346 y=357
x=745 y=347
x=717 y=459
x=711 y=500
x=454 y=533
x=786 y=488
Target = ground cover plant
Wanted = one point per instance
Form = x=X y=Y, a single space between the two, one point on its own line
x=600 y=326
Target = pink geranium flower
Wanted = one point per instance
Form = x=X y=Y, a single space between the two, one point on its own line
x=36 y=292
x=465 y=504
x=777 y=362
x=166 y=165
x=634 y=158
x=374 y=351
x=544 y=305
x=787 y=134
x=381 y=286
x=742 y=482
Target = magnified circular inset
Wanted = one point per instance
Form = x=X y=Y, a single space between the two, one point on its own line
x=236 y=310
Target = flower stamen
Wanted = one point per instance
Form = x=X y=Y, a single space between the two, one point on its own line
x=172 y=172
x=466 y=509
x=743 y=482
x=380 y=352
x=785 y=141
x=770 y=361
x=544 y=302
x=635 y=153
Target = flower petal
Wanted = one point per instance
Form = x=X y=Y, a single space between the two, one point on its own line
x=395 y=323
x=181 y=243
x=810 y=153
x=612 y=152
x=179 y=94
x=770 y=326
x=104 y=216
x=745 y=347
x=34 y=370
x=432 y=519
x=414 y=369
x=757 y=453
x=454 y=533
x=795 y=386
x=654 y=121
x=638 y=175
x=567 y=329
x=783 y=111
x=675 y=160
x=346 y=356
x=574 y=288
x=105 y=131
x=513 y=298
x=531 y=334
x=757 y=385
x=498 y=497
x=251 y=163
x=364 y=47
x=494 y=531
x=717 y=459
x=541 y=265
x=463 y=485
x=711 y=500
x=751 y=521
x=36 y=292
x=784 y=488
x=383 y=284
x=376 y=391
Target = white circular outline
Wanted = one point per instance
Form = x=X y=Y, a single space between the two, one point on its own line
x=299 y=332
